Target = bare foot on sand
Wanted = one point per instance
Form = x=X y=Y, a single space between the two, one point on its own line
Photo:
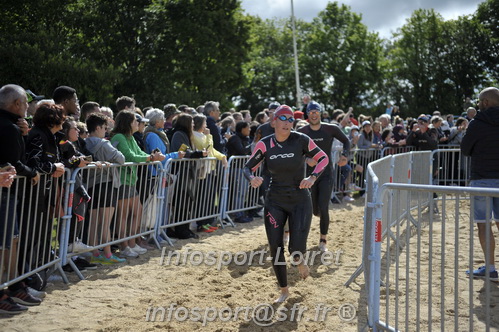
x=284 y=295
x=304 y=270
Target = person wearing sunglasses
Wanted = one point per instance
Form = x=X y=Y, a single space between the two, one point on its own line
x=324 y=134
x=288 y=198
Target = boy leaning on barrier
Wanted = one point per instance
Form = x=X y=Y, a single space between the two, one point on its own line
x=102 y=184
x=481 y=142
x=73 y=158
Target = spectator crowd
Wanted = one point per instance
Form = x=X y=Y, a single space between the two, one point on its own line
x=44 y=138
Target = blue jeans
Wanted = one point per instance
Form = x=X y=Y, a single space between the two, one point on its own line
x=480 y=202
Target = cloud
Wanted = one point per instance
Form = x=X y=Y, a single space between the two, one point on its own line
x=383 y=16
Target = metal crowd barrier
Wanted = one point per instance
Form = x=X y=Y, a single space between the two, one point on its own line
x=32 y=217
x=238 y=195
x=453 y=169
x=390 y=150
x=348 y=179
x=409 y=167
x=193 y=192
x=56 y=221
x=115 y=213
x=418 y=277
x=402 y=234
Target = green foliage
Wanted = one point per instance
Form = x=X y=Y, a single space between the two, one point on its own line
x=184 y=51
x=191 y=51
x=487 y=18
x=342 y=60
x=435 y=63
x=270 y=71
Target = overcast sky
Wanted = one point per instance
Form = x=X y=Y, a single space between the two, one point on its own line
x=383 y=16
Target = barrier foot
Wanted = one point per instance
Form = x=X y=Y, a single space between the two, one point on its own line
x=167 y=239
x=228 y=221
x=73 y=266
x=62 y=273
x=354 y=276
x=156 y=242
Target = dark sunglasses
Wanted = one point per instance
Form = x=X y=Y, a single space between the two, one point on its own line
x=284 y=118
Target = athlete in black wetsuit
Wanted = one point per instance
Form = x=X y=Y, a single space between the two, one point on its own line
x=323 y=135
x=288 y=198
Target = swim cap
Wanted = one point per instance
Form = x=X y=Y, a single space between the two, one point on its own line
x=283 y=110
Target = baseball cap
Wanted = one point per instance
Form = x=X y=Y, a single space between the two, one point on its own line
x=34 y=97
x=365 y=123
x=141 y=119
x=274 y=105
x=423 y=118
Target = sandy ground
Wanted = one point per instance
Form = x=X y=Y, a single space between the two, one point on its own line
x=132 y=297
x=125 y=298
x=448 y=235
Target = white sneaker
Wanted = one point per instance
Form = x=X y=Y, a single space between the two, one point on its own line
x=348 y=199
x=35 y=293
x=128 y=252
x=78 y=247
x=354 y=187
x=138 y=249
x=322 y=247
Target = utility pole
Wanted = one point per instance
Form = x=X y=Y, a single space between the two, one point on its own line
x=297 y=74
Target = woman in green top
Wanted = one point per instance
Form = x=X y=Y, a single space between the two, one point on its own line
x=129 y=210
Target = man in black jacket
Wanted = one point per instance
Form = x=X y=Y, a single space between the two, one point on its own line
x=13 y=107
x=481 y=142
x=420 y=137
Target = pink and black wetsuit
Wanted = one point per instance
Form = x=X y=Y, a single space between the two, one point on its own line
x=285 y=201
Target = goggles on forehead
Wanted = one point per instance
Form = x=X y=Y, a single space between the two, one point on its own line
x=284 y=118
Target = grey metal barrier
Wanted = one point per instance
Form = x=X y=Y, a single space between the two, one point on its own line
x=193 y=192
x=450 y=167
x=31 y=220
x=402 y=168
x=111 y=204
x=238 y=196
x=391 y=150
x=420 y=275
x=351 y=177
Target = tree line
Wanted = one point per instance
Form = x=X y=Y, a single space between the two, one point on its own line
x=191 y=51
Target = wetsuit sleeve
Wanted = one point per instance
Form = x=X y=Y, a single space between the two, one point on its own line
x=314 y=152
x=255 y=160
x=340 y=136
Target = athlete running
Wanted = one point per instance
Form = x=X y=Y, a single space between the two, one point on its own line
x=288 y=197
x=323 y=135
